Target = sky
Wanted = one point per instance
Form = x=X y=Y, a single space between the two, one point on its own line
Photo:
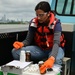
x=18 y=9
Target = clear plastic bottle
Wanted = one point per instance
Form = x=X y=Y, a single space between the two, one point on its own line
x=22 y=56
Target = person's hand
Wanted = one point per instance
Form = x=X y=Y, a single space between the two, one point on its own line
x=18 y=45
x=47 y=64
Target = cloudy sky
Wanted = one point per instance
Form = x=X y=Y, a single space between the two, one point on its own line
x=18 y=9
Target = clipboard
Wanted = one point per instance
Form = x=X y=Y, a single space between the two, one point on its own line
x=15 y=67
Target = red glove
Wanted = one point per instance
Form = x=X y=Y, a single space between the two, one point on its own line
x=18 y=45
x=47 y=64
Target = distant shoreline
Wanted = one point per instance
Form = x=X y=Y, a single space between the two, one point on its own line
x=14 y=23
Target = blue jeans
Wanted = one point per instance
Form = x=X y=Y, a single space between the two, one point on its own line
x=38 y=54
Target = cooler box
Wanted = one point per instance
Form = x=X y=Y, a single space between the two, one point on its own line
x=26 y=68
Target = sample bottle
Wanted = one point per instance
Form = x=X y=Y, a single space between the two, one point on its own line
x=22 y=56
x=28 y=56
x=40 y=64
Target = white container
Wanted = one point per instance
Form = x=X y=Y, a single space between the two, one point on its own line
x=22 y=56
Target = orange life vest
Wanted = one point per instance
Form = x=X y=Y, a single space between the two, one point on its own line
x=44 y=34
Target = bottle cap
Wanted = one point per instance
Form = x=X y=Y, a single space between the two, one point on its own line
x=40 y=62
x=27 y=51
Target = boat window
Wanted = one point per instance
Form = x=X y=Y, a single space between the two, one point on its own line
x=65 y=7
